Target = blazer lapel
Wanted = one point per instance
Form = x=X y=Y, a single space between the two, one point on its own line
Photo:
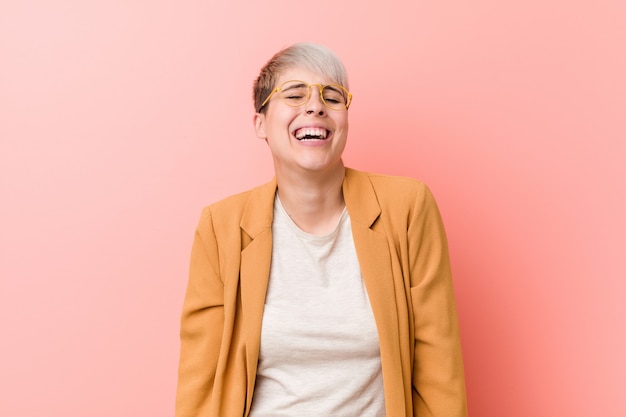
x=374 y=257
x=256 y=257
x=371 y=245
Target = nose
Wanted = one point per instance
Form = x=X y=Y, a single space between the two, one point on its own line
x=315 y=103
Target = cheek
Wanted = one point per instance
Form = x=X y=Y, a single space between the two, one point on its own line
x=281 y=120
x=342 y=123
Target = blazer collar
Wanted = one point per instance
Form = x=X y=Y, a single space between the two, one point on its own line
x=358 y=194
x=259 y=211
x=360 y=198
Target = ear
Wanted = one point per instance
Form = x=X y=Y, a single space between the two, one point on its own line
x=259 y=125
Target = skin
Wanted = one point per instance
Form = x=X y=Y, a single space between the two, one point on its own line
x=309 y=173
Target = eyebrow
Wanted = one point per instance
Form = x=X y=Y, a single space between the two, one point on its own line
x=335 y=89
x=291 y=86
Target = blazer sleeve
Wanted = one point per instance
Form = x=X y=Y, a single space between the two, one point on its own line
x=202 y=324
x=438 y=377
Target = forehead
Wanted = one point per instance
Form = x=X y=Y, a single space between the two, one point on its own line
x=303 y=74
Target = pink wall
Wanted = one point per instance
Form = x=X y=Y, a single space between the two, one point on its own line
x=119 y=120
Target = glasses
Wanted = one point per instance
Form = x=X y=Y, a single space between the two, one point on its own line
x=296 y=93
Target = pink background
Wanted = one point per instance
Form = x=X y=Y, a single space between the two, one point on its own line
x=119 y=120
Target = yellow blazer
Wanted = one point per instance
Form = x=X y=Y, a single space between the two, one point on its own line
x=402 y=250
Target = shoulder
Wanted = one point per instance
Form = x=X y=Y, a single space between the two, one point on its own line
x=390 y=187
x=237 y=203
x=252 y=207
x=396 y=203
x=231 y=204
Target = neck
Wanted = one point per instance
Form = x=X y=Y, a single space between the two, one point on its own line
x=314 y=201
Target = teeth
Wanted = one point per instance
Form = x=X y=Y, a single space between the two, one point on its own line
x=310 y=132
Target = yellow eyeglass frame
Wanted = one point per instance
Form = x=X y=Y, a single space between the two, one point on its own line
x=308 y=97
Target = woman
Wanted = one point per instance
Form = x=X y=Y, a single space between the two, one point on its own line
x=326 y=292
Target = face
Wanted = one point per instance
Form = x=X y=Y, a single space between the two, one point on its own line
x=308 y=138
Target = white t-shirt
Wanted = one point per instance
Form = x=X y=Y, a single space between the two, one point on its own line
x=320 y=354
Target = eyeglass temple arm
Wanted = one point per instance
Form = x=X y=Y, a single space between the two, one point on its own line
x=268 y=97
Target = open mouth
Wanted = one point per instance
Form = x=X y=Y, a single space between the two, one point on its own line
x=311 y=133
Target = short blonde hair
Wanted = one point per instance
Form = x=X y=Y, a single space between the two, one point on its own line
x=311 y=56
